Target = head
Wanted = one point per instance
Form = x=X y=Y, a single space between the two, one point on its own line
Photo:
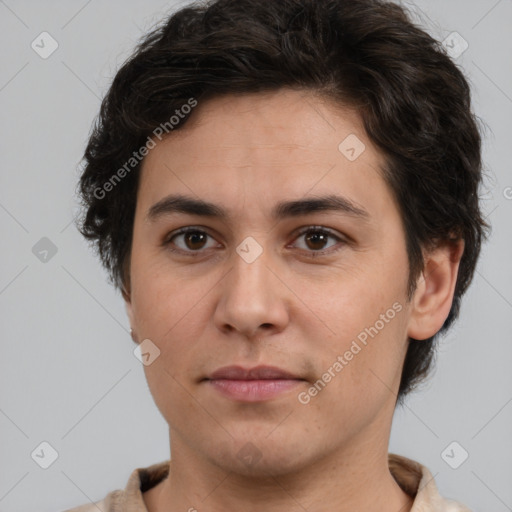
x=352 y=119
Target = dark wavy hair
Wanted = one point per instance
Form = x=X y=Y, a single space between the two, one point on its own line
x=366 y=54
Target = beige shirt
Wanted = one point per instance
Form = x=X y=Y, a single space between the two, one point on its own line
x=415 y=479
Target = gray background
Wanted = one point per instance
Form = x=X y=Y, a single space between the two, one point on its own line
x=68 y=375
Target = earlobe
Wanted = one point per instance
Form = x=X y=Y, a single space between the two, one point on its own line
x=433 y=297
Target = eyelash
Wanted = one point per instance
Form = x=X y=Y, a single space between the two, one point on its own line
x=310 y=229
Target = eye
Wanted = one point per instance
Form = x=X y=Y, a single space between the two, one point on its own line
x=317 y=240
x=190 y=239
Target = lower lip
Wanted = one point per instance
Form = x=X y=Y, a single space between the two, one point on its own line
x=253 y=390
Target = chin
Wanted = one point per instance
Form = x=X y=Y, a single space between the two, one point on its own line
x=258 y=457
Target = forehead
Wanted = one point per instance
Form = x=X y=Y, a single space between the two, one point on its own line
x=284 y=121
x=261 y=147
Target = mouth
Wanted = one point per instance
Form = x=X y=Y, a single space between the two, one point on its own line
x=252 y=384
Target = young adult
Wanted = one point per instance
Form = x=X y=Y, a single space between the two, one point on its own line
x=286 y=193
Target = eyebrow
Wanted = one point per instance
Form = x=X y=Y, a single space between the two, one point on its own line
x=285 y=209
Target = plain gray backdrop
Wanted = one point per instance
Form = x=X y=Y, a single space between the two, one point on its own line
x=68 y=374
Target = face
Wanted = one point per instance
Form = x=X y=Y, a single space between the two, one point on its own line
x=298 y=263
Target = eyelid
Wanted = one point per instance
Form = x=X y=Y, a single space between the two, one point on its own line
x=313 y=227
x=183 y=231
x=331 y=233
x=298 y=233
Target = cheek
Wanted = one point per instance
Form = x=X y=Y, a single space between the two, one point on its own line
x=359 y=379
x=164 y=299
x=366 y=316
x=169 y=312
x=350 y=301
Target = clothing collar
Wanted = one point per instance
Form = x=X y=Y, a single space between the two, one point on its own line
x=413 y=478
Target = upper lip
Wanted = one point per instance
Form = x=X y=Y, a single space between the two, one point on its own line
x=256 y=373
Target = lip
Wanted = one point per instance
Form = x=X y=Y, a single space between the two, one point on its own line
x=252 y=384
x=256 y=373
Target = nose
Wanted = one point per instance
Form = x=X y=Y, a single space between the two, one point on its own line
x=253 y=300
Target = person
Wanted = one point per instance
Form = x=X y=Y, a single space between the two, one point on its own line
x=286 y=195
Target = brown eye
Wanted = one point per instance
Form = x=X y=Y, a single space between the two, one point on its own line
x=195 y=240
x=316 y=240
x=190 y=241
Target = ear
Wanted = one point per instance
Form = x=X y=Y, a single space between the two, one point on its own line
x=433 y=297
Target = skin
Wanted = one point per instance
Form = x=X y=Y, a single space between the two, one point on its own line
x=286 y=309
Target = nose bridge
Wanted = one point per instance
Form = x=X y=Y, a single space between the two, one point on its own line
x=251 y=296
x=250 y=276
